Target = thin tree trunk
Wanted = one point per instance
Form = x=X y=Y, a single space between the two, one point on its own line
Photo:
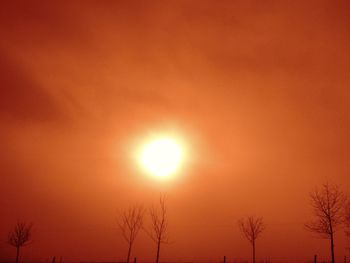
x=158 y=249
x=129 y=252
x=332 y=248
x=254 y=251
x=17 y=254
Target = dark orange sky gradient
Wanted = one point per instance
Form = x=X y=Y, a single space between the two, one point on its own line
x=259 y=90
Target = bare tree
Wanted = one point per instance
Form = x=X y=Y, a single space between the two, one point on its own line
x=252 y=227
x=159 y=225
x=130 y=222
x=327 y=203
x=20 y=236
x=347 y=219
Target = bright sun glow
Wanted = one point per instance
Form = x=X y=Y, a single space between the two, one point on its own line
x=162 y=157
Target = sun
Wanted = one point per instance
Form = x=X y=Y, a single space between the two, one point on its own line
x=162 y=156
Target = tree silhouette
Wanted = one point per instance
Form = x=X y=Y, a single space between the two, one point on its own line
x=347 y=219
x=327 y=203
x=159 y=225
x=20 y=236
x=130 y=222
x=252 y=227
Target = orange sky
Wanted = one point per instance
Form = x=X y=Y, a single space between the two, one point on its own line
x=259 y=90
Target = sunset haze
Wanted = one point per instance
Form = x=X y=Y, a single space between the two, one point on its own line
x=257 y=92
